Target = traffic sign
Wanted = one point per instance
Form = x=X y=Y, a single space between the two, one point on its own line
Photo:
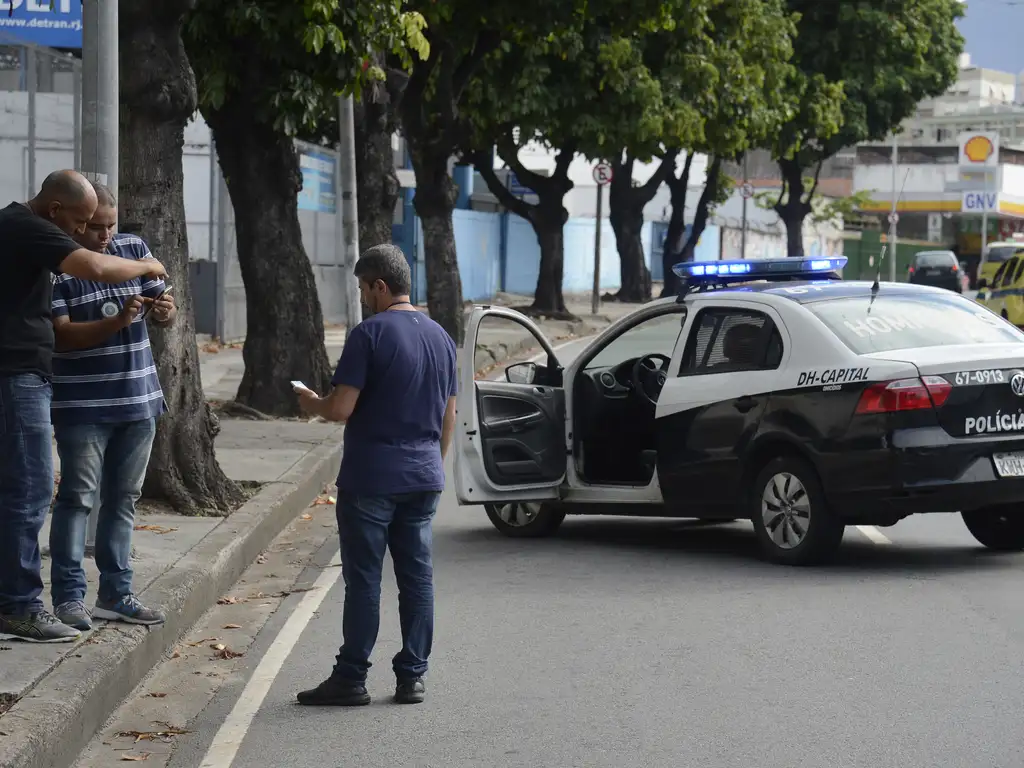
x=747 y=190
x=602 y=173
x=894 y=218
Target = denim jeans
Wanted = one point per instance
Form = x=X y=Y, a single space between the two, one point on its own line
x=111 y=460
x=26 y=488
x=369 y=525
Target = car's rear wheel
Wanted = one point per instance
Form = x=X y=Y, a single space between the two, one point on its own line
x=1000 y=528
x=525 y=519
x=793 y=522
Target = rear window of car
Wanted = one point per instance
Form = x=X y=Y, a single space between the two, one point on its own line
x=906 y=322
x=997 y=254
x=936 y=259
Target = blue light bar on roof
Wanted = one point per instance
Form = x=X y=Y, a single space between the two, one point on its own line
x=756 y=269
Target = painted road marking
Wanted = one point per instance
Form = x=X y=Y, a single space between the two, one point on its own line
x=226 y=743
x=873 y=535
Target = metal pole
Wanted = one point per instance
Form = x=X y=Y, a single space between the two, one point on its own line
x=213 y=200
x=892 y=218
x=99 y=91
x=223 y=201
x=743 y=237
x=76 y=109
x=984 y=216
x=349 y=210
x=33 y=80
x=595 y=302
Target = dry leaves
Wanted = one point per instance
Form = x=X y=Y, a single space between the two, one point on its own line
x=232 y=626
x=223 y=652
x=155 y=695
x=261 y=559
x=155 y=529
x=322 y=499
x=135 y=758
x=197 y=643
x=228 y=600
x=165 y=735
x=306 y=516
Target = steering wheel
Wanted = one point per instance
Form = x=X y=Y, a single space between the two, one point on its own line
x=649 y=378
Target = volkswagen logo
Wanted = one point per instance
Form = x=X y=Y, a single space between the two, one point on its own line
x=1017 y=384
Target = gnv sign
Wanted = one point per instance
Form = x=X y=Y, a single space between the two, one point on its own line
x=980 y=202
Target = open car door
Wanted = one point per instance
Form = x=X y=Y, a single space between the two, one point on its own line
x=509 y=434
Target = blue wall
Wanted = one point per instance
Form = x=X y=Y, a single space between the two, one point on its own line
x=485 y=241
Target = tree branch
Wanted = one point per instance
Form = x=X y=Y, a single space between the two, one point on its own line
x=668 y=165
x=814 y=185
x=508 y=150
x=564 y=159
x=486 y=42
x=483 y=163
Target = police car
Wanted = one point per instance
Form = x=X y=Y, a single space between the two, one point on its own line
x=768 y=390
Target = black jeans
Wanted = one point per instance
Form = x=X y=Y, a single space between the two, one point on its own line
x=368 y=526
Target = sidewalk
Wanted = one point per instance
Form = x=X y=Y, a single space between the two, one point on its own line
x=54 y=697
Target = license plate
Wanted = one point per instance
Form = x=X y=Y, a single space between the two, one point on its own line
x=1009 y=464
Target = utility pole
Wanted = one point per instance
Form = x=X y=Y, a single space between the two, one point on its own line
x=743 y=236
x=893 y=217
x=99 y=91
x=99 y=123
x=349 y=235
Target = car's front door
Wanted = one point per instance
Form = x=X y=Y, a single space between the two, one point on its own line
x=509 y=434
x=710 y=411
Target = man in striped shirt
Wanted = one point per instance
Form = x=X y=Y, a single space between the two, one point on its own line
x=106 y=399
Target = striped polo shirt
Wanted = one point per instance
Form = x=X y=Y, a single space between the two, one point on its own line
x=116 y=381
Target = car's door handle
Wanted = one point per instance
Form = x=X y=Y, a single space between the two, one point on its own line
x=745 y=403
x=516 y=423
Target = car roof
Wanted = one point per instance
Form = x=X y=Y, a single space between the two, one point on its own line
x=824 y=290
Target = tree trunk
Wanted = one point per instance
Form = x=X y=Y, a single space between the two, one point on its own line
x=284 y=338
x=794 y=209
x=626 y=214
x=548 y=220
x=435 y=203
x=700 y=217
x=671 y=253
x=378 y=188
x=158 y=96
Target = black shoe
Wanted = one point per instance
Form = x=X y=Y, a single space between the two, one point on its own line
x=411 y=691
x=334 y=692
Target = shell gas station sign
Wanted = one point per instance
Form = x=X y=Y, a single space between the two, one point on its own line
x=978 y=149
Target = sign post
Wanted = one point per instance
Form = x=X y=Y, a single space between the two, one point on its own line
x=980 y=150
x=602 y=176
x=747 y=191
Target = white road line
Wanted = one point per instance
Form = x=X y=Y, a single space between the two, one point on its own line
x=226 y=743
x=873 y=535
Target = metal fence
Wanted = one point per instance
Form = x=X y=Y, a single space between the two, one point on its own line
x=40 y=104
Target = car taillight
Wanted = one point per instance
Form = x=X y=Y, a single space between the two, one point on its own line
x=910 y=270
x=956 y=268
x=905 y=395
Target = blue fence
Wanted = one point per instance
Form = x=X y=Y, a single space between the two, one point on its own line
x=499 y=252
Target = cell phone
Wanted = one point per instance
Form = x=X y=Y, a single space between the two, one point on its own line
x=299 y=385
x=164 y=292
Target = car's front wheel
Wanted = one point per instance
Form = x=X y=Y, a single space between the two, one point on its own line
x=1000 y=528
x=792 y=520
x=525 y=519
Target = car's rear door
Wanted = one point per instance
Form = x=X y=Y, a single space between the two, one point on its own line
x=509 y=436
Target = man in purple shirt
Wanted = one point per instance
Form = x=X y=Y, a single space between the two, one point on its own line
x=395 y=389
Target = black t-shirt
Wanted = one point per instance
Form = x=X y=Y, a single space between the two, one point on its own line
x=30 y=249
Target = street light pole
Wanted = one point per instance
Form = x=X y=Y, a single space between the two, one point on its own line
x=99 y=91
x=893 y=217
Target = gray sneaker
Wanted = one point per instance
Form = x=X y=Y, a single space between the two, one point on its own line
x=41 y=627
x=74 y=614
x=127 y=609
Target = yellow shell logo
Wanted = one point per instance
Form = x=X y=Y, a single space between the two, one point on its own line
x=978 y=149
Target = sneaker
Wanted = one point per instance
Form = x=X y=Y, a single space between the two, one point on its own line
x=129 y=610
x=41 y=627
x=335 y=692
x=74 y=614
x=412 y=691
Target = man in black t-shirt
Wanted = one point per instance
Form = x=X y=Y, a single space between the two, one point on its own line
x=35 y=244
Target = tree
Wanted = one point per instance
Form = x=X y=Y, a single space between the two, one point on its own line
x=884 y=58
x=267 y=71
x=158 y=97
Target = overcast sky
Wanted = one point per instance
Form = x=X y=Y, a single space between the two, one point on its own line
x=993 y=30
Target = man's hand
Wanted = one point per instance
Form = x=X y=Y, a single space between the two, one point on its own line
x=156 y=269
x=131 y=310
x=309 y=401
x=163 y=308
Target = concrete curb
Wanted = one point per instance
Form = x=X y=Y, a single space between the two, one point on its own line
x=56 y=719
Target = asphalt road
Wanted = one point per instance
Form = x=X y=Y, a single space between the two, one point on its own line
x=652 y=643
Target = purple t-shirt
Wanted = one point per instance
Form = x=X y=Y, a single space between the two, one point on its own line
x=403 y=364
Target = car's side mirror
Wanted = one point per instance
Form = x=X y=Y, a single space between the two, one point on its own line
x=521 y=373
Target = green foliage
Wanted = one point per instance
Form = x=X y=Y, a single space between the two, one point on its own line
x=861 y=69
x=290 y=59
x=823 y=211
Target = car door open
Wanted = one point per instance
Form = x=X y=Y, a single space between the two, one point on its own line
x=510 y=433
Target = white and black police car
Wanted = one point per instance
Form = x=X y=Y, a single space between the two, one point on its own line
x=770 y=390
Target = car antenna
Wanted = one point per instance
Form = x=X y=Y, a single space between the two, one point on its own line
x=875 y=286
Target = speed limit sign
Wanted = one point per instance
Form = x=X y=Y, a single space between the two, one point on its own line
x=602 y=173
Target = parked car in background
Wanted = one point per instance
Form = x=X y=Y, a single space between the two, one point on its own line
x=940 y=269
x=1004 y=294
x=996 y=254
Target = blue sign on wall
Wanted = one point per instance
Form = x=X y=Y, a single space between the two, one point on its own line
x=318 y=192
x=35 y=21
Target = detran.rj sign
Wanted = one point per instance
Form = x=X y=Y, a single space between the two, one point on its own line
x=51 y=23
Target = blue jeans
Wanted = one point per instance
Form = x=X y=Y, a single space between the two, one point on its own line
x=26 y=488
x=368 y=526
x=111 y=460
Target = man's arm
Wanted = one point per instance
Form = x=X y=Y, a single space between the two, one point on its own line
x=71 y=336
x=337 y=406
x=104 y=268
x=348 y=381
x=447 y=427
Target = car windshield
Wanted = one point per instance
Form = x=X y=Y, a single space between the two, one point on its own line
x=997 y=254
x=655 y=335
x=908 y=321
x=936 y=259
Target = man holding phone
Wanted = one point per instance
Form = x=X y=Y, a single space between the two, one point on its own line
x=106 y=399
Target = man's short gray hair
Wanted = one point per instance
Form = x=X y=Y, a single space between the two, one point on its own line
x=103 y=195
x=385 y=262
